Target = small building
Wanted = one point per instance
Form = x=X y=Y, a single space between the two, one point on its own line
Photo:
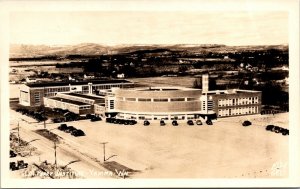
x=31 y=80
x=121 y=76
x=74 y=102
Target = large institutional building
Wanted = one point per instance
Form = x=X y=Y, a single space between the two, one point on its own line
x=118 y=98
x=31 y=94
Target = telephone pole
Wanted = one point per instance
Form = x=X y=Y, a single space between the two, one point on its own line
x=19 y=132
x=104 y=150
x=44 y=95
x=55 y=162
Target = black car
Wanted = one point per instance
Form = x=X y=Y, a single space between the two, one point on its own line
x=132 y=122
x=269 y=127
x=13 y=166
x=77 y=132
x=62 y=127
x=19 y=165
x=162 y=123
x=190 y=122
x=95 y=118
x=209 y=122
x=146 y=123
x=22 y=164
x=12 y=154
x=57 y=120
x=70 y=129
x=89 y=116
x=246 y=123
x=108 y=120
x=276 y=129
x=174 y=123
x=284 y=131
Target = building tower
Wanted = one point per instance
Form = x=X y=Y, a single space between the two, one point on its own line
x=205 y=83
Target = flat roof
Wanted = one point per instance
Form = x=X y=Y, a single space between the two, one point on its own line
x=231 y=91
x=166 y=88
x=85 y=96
x=52 y=84
x=69 y=101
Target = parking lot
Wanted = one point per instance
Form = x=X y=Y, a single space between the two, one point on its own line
x=225 y=149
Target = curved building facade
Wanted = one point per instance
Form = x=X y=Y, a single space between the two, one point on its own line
x=157 y=103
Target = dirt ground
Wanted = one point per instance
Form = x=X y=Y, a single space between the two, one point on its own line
x=224 y=150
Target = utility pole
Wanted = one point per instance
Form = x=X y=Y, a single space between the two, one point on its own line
x=44 y=108
x=104 y=150
x=55 y=162
x=19 y=132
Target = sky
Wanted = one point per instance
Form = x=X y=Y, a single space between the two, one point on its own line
x=127 y=27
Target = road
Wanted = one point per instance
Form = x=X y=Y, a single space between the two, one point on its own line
x=86 y=167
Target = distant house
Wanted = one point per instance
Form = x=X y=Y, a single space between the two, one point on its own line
x=71 y=79
x=121 y=76
x=88 y=76
x=31 y=80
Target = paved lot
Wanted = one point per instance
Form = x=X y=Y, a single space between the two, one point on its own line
x=224 y=150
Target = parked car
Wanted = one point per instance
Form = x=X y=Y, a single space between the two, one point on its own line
x=276 y=129
x=70 y=129
x=13 y=166
x=62 y=127
x=174 y=123
x=162 y=123
x=22 y=164
x=132 y=122
x=284 y=131
x=146 y=123
x=12 y=154
x=246 y=123
x=108 y=120
x=95 y=118
x=77 y=132
x=209 y=122
x=57 y=120
x=269 y=127
x=89 y=116
x=199 y=122
x=190 y=122
x=19 y=165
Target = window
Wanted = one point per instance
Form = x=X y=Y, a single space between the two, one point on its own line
x=130 y=99
x=111 y=104
x=37 y=97
x=144 y=99
x=192 y=99
x=160 y=100
x=177 y=99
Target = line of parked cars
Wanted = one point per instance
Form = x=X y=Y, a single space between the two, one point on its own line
x=70 y=129
x=277 y=129
x=39 y=115
x=175 y=123
x=121 y=121
x=18 y=165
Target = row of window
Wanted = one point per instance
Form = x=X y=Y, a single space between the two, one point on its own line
x=238 y=111
x=106 y=86
x=158 y=117
x=37 y=97
x=238 y=101
x=84 y=107
x=157 y=99
x=57 y=89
